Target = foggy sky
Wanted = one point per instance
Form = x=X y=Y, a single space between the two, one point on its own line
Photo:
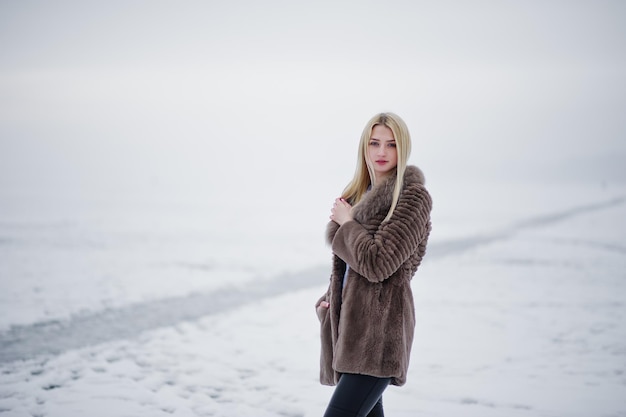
x=113 y=94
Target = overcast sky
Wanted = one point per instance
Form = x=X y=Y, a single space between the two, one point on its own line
x=126 y=93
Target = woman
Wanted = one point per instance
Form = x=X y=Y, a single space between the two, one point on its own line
x=378 y=233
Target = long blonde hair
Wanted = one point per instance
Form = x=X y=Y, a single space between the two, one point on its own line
x=364 y=174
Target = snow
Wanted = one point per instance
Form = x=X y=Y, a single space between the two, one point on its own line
x=525 y=318
x=166 y=174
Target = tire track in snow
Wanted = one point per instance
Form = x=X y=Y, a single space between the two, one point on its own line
x=451 y=247
x=57 y=336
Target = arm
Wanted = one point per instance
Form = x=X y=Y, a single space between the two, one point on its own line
x=377 y=256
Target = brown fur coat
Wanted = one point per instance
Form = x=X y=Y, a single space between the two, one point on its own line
x=368 y=328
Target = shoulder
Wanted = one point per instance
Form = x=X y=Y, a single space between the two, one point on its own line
x=413 y=176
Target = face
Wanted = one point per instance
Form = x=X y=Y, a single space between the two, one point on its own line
x=382 y=152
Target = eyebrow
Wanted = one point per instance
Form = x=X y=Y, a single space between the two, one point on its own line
x=380 y=140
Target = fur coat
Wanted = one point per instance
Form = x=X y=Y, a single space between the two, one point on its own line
x=368 y=328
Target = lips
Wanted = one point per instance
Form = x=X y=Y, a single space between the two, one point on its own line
x=381 y=162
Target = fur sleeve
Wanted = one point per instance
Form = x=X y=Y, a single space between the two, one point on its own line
x=376 y=256
x=331 y=229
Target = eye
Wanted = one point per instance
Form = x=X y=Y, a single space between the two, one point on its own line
x=392 y=145
x=374 y=143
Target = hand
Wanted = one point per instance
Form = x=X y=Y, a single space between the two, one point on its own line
x=321 y=309
x=341 y=211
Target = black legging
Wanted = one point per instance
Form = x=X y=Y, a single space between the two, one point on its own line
x=358 y=396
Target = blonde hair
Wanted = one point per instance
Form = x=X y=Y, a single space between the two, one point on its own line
x=364 y=174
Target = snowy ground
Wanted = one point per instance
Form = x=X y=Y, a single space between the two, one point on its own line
x=520 y=314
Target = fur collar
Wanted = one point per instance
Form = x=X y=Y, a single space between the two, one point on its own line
x=378 y=200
